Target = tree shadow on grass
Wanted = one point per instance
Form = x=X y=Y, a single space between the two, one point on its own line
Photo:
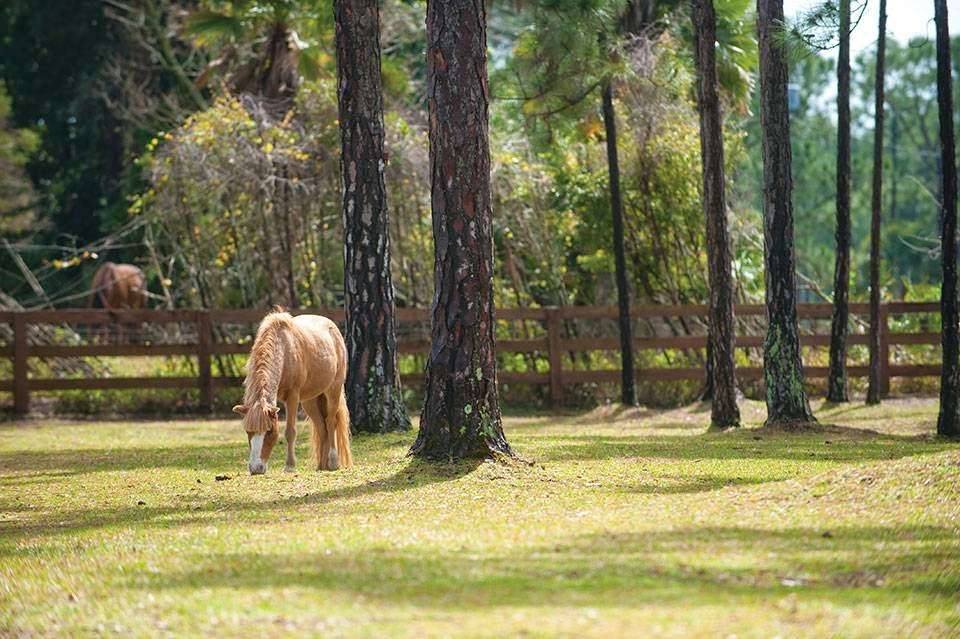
x=839 y=444
x=694 y=566
x=414 y=474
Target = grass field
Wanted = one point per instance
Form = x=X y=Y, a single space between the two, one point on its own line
x=620 y=524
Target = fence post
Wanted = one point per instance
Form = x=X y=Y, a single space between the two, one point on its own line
x=204 y=343
x=884 y=351
x=555 y=356
x=21 y=389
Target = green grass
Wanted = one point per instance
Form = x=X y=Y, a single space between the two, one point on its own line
x=622 y=524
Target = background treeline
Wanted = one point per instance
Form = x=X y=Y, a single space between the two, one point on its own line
x=199 y=140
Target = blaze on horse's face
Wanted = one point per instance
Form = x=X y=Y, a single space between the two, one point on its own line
x=263 y=428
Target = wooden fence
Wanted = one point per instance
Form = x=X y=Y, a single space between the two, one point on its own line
x=551 y=346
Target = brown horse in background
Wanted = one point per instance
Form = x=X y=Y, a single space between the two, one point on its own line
x=118 y=286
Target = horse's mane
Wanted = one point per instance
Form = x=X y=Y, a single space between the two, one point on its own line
x=267 y=350
x=265 y=363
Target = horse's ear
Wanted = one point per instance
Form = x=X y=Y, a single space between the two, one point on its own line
x=240 y=408
x=279 y=309
x=274 y=410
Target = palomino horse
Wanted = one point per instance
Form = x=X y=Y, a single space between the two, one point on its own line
x=118 y=286
x=297 y=360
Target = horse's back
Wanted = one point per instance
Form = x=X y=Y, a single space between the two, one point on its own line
x=327 y=352
x=318 y=326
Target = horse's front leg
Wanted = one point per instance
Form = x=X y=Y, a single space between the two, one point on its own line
x=290 y=434
x=261 y=445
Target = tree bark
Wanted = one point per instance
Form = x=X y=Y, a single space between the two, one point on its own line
x=724 y=411
x=461 y=412
x=873 y=388
x=948 y=423
x=373 y=390
x=837 y=378
x=628 y=386
x=782 y=367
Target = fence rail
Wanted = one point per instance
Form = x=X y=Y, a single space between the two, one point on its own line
x=552 y=346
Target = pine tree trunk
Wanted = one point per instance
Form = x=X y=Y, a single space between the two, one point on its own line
x=628 y=387
x=461 y=412
x=724 y=412
x=948 y=423
x=837 y=378
x=782 y=368
x=373 y=387
x=873 y=388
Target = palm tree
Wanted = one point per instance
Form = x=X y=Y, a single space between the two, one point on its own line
x=261 y=55
x=257 y=46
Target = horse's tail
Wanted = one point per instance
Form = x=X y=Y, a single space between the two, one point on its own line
x=335 y=430
x=342 y=432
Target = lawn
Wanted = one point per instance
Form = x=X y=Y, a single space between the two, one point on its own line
x=633 y=524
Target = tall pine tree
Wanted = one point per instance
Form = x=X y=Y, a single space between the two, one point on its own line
x=948 y=423
x=782 y=368
x=873 y=387
x=461 y=411
x=837 y=378
x=724 y=412
x=373 y=386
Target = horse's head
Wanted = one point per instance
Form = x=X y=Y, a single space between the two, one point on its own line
x=263 y=428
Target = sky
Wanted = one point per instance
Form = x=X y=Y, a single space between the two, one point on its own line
x=905 y=19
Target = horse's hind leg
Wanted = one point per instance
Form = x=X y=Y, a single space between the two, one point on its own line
x=290 y=434
x=320 y=443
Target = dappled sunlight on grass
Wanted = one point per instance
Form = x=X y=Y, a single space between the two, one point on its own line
x=615 y=522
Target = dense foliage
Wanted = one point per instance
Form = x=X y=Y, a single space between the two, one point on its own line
x=228 y=200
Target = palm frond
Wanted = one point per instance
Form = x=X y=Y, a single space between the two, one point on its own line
x=210 y=25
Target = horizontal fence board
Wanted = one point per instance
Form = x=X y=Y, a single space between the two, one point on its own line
x=231 y=349
x=226 y=382
x=900 y=308
x=111 y=383
x=113 y=350
x=913 y=338
x=690 y=342
x=99 y=316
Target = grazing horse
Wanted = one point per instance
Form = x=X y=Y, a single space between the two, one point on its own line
x=118 y=286
x=297 y=360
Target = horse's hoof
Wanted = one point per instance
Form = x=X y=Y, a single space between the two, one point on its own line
x=289 y=469
x=258 y=468
x=333 y=460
